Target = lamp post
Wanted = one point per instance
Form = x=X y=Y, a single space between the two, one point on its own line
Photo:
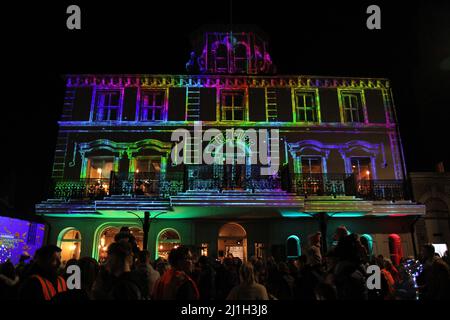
x=146 y=228
x=323 y=225
x=146 y=225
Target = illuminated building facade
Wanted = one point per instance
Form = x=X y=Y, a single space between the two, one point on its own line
x=339 y=152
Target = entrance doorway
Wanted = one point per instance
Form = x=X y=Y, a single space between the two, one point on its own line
x=232 y=241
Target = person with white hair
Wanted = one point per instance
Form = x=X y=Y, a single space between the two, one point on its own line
x=248 y=289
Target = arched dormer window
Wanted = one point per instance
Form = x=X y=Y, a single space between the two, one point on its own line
x=221 y=58
x=240 y=58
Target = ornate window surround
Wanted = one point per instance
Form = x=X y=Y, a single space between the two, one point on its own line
x=119 y=148
x=372 y=150
x=301 y=146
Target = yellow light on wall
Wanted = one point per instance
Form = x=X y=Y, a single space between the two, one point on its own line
x=368 y=172
x=204 y=250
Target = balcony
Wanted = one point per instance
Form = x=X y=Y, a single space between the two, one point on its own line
x=382 y=190
x=92 y=189
x=202 y=178
x=329 y=184
x=345 y=185
x=151 y=184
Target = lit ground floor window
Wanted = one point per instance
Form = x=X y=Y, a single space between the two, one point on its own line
x=70 y=244
x=168 y=239
x=107 y=237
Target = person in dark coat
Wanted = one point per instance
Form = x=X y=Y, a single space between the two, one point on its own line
x=206 y=279
x=115 y=280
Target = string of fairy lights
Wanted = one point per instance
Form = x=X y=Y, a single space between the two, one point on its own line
x=414 y=268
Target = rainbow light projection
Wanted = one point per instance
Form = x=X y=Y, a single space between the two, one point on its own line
x=238 y=82
x=231 y=83
x=234 y=63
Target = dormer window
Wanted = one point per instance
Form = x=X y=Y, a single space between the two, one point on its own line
x=231 y=53
x=240 y=58
x=221 y=58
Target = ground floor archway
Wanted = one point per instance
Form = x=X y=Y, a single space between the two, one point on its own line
x=168 y=239
x=106 y=237
x=232 y=241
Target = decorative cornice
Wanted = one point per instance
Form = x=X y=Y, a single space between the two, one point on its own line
x=103 y=125
x=224 y=81
x=128 y=147
x=343 y=148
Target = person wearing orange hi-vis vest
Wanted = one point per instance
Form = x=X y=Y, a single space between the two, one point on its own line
x=176 y=283
x=43 y=282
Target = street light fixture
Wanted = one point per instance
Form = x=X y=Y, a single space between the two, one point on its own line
x=146 y=224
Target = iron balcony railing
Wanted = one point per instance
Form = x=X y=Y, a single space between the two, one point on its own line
x=163 y=185
x=328 y=184
x=229 y=177
x=93 y=189
x=154 y=184
x=337 y=184
x=383 y=190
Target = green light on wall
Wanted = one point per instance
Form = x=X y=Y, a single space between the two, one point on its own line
x=297 y=252
x=295 y=214
x=347 y=214
x=369 y=239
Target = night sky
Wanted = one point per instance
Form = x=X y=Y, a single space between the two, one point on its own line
x=319 y=38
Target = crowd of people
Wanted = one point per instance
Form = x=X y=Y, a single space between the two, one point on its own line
x=128 y=274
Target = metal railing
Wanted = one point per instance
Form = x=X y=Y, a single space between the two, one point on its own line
x=93 y=189
x=327 y=184
x=163 y=185
x=382 y=190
